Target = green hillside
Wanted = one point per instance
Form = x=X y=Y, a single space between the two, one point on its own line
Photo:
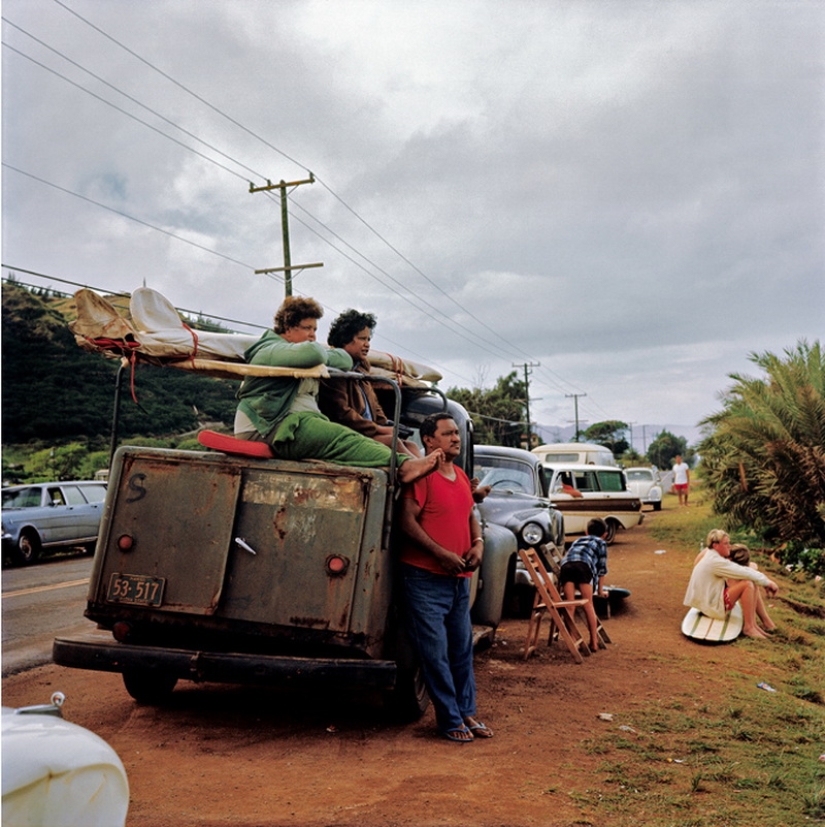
x=54 y=393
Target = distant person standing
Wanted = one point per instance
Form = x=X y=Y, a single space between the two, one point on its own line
x=681 y=479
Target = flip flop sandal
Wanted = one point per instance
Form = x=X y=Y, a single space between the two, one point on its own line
x=481 y=730
x=448 y=734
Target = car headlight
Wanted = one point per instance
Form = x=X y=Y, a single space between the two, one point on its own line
x=532 y=534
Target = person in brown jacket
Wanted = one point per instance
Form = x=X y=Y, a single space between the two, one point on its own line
x=351 y=402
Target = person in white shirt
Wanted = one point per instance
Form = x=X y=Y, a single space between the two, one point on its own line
x=681 y=479
x=717 y=584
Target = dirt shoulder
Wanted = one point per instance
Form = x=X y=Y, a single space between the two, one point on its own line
x=221 y=755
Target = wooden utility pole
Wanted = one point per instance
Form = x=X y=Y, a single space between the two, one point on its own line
x=287 y=268
x=576 y=407
x=527 y=366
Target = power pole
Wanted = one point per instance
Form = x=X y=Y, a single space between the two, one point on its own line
x=527 y=366
x=576 y=408
x=287 y=268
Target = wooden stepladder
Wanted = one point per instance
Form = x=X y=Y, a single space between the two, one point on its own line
x=562 y=613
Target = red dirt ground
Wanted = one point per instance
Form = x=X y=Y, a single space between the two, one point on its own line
x=222 y=755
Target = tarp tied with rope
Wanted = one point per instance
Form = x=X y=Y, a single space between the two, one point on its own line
x=156 y=334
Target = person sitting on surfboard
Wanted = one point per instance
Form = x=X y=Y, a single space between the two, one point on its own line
x=717 y=584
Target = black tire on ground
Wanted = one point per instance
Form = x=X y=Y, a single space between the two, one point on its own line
x=409 y=700
x=149 y=686
x=28 y=547
x=612 y=526
x=657 y=506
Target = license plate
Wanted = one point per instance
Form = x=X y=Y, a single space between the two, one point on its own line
x=136 y=589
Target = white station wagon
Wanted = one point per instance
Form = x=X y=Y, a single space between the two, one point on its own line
x=582 y=492
x=46 y=515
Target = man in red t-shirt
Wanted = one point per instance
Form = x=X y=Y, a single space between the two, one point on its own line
x=442 y=548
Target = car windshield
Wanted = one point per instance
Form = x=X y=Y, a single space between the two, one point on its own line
x=504 y=474
x=639 y=475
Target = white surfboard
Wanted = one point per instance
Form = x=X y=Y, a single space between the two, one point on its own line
x=701 y=627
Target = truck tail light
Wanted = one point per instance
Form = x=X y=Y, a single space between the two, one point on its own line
x=122 y=631
x=125 y=542
x=336 y=565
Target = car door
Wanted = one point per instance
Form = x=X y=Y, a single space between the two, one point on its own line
x=80 y=517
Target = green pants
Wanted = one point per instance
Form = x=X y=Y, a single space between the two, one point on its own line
x=313 y=436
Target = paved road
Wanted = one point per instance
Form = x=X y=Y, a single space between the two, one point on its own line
x=40 y=602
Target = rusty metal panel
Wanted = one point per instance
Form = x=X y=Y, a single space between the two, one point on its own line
x=293 y=520
x=179 y=516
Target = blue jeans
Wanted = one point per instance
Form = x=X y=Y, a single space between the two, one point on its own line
x=440 y=630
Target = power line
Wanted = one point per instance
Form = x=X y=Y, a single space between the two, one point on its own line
x=271 y=146
x=123 y=214
x=288 y=157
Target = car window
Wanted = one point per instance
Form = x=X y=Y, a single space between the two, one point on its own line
x=56 y=496
x=609 y=481
x=94 y=493
x=73 y=495
x=562 y=457
x=22 y=498
x=585 y=481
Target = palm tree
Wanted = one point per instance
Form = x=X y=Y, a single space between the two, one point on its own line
x=764 y=460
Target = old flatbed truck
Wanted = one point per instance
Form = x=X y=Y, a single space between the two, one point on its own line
x=220 y=566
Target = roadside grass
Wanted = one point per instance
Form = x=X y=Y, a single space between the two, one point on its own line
x=739 y=755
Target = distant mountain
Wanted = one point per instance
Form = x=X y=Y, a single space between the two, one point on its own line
x=55 y=392
x=643 y=435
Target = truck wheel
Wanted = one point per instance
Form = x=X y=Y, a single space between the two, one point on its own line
x=657 y=506
x=28 y=547
x=612 y=525
x=149 y=686
x=409 y=700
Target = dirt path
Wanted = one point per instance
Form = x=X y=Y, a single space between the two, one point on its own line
x=234 y=756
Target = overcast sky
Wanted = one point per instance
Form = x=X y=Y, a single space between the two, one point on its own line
x=627 y=196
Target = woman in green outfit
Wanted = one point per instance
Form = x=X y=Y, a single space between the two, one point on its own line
x=283 y=410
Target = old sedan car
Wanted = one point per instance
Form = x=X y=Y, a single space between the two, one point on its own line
x=59 y=774
x=518 y=501
x=582 y=492
x=49 y=515
x=646 y=484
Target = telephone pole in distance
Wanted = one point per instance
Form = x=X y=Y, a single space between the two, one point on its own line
x=527 y=366
x=575 y=397
x=287 y=268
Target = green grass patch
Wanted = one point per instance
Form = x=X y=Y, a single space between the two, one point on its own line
x=738 y=755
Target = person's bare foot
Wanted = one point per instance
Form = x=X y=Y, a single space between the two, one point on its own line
x=418 y=467
x=754 y=632
x=477 y=728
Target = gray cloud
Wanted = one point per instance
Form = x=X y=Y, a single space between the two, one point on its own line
x=629 y=193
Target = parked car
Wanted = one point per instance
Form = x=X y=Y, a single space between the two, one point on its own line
x=58 y=774
x=518 y=501
x=49 y=515
x=582 y=492
x=646 y=484
x=584 y=453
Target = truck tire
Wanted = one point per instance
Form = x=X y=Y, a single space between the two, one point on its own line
x=149 y=686
x=409 y=700
x=27 y=549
